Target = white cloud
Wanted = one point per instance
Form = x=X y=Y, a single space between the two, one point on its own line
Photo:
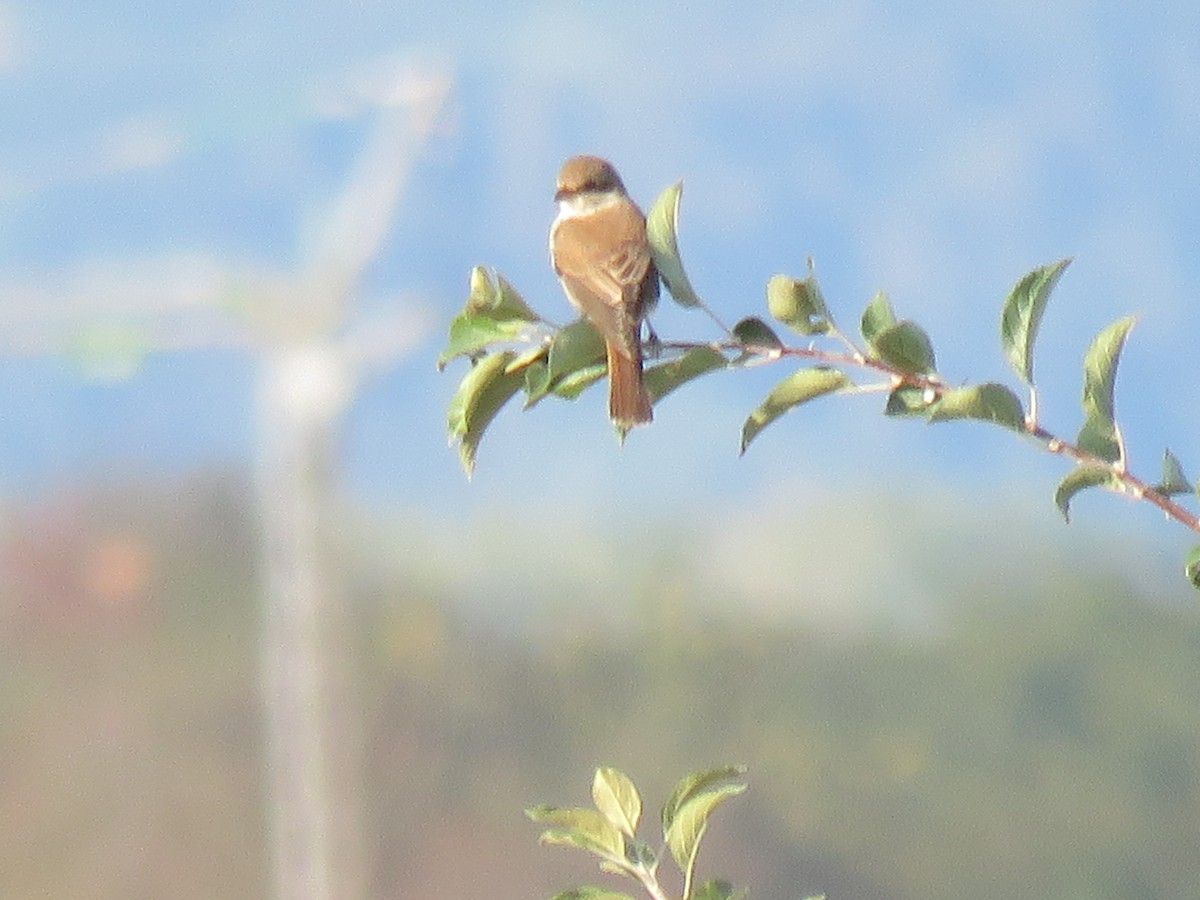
x=12 y=51
x=144 y=142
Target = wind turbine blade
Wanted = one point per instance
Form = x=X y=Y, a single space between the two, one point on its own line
x=362 y=215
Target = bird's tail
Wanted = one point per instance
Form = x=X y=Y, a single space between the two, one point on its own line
x=628 y=402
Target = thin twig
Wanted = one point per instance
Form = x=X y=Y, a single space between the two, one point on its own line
x=1131 y=484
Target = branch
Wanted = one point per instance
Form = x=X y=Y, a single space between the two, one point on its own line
x=513 y=349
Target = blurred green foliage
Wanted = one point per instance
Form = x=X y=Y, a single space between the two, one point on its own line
x=1034 y=744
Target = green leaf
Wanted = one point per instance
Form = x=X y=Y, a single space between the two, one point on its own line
x=494 y=313
x=528 y=358
x=799 y=387
x=571 y=386
x=537 y=381
x=510 y=304
x=1078 y=479
x=1021 y=315
x=591 y=892
x=639 y=853
x=909 y=400
x=470 y=334
x=905 y=346
x=688 y=786
x=1192 y=567
x=717 y=890
x=575 y=359
x=574 y=347
x=616 y=796
x=1173 y=480
x=496 y=298
x=988 y=402
x=1100 y=435
x=663 y=378
x=662 y=228
x=1100 y=438
x=480 y=395
x=754 y=332
x=691 y=821
x=1100 y=368
x=799 y=304
x=876 y=318
x=579 y=827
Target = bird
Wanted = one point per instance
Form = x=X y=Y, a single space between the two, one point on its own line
x=601 y=254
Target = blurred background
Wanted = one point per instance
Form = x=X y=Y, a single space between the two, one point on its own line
x=260 y=637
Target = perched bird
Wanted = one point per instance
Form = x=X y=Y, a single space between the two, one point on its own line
x=599 y=250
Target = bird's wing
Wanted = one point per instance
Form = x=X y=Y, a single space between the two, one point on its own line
x=609 y=289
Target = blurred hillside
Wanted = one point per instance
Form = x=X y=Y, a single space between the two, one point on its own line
x=1036 y=738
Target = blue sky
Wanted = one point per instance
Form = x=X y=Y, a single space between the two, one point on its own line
x=156 y=152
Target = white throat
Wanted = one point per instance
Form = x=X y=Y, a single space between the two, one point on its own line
x=586 y=202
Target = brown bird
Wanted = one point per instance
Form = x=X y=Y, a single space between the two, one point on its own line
x=599 y=250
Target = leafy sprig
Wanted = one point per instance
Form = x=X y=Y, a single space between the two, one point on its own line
x=512 y=349
x=609 y=831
